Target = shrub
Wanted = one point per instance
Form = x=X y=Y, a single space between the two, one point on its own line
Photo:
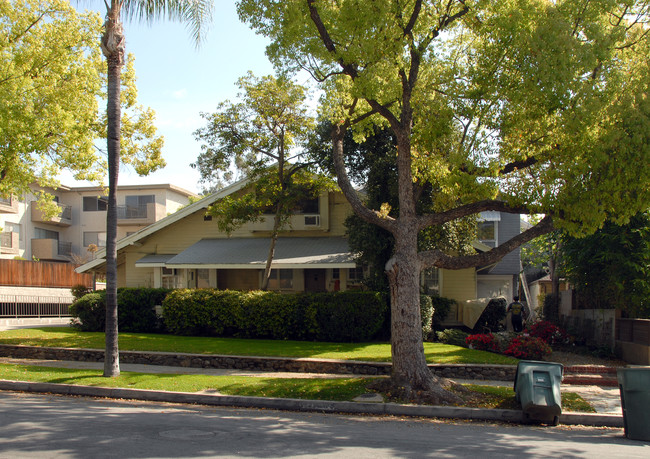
x=79 y=290
x=276 y=316
x=483 y=342
x=503 y=339
x=426 y=311
x=90 y=310
x=340 y=316
x=492 y=316
x=348 y=316
x=550 y=307
x=528 y=347
x=452 y=336
x=201 y=312
x=550 y=333
x=135 y=309
x=441 y=306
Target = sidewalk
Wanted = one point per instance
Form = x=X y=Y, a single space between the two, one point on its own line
x=605 y=400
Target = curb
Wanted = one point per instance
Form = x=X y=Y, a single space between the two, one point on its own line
x=321 y=406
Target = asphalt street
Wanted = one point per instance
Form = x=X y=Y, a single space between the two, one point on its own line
x=47 y=426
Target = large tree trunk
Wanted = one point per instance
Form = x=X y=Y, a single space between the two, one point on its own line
x=113 y=47
x=410 y=372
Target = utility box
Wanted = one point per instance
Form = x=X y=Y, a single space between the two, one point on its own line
x=634 y=384
x=537 y=389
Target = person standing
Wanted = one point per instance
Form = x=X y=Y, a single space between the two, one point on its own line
x=517 y=314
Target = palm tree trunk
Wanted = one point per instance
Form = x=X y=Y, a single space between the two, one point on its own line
x=113 y=48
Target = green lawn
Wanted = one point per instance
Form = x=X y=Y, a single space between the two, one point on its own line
x=339 y=389
x=377 y=352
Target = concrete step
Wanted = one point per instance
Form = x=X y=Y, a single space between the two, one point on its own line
x=590 y=369
x=590 y=380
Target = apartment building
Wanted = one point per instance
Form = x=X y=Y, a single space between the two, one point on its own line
x=80 y=228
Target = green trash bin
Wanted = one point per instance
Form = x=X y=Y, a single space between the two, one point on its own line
x=537 y=388
x=634 y=384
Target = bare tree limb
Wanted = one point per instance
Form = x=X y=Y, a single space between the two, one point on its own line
x=371 y=216
x=440 y=259
x=469 y=209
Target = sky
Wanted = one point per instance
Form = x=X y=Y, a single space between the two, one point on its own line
x=180 y=81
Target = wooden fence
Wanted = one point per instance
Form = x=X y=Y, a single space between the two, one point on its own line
x=633 y=340
x=633 y=331
x=41 y=274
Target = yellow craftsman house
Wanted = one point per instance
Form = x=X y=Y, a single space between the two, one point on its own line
x=187 y=250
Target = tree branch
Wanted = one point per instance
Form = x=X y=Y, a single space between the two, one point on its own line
x=388 y=223
x=469 y=209
x=327 y=40
x=439 y=259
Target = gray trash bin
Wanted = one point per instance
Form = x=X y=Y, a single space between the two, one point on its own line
x=634 y=384
x=537 y=388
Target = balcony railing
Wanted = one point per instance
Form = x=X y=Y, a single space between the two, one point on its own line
x=51 y=249
x=65 y=248
x=64 y=218
x=6 y=240
x=9 y=242
x=126 y=212
x=8 y=206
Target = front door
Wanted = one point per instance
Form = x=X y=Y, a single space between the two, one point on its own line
x=315 y=280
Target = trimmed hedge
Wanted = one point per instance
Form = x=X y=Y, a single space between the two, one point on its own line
x=341 y=316
x=135 y=309
x=90 y=312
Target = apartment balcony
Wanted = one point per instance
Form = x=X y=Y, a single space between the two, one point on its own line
x=9 y=243
x=140 y=215
x=63 y=219
x=51 y=249
x=8 y=206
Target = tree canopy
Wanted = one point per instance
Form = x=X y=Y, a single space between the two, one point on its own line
x=520 y=106
x=611 y=268
x=51 y=80
x=261 y=137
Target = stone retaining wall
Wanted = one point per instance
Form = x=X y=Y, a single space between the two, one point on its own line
x=303 y=365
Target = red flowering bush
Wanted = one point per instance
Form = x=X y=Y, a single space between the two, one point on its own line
x=549 y=333
x=483 y=342
x=528 y=348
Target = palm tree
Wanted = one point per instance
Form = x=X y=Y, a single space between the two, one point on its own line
x=196 y=13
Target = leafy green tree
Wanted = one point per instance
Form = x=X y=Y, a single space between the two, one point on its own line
x=50 y=81
x=520 y=106
x=195 y=13
x=259 y=137
x=611 y=268
x=372 y=165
